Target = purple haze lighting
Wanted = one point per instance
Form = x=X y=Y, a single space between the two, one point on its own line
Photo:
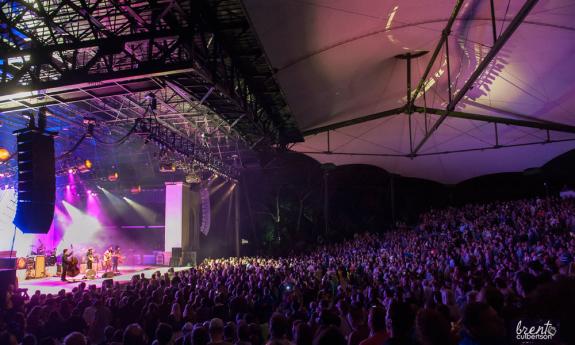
x=93 y=207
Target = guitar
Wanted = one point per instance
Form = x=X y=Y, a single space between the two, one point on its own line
x=107 y=259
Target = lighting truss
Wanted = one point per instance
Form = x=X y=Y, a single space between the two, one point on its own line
x=49 y=50
x=181 y=145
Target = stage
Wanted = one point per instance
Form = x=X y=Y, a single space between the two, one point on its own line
x=53 y=284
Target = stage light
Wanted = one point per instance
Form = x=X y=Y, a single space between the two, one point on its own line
x=136 y=190
x=85 y=167
x=113 y=177
x=71 y=171
x=167 y=168
x=4 y=154
x=147 y=214
x=67 y=186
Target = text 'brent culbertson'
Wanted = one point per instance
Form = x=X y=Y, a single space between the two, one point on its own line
x=542 y=332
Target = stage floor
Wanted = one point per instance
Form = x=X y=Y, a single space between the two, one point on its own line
x=54 y=284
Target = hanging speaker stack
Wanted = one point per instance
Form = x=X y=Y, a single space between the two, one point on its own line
x=36 y=180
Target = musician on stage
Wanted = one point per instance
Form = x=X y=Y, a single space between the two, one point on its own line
x=65 y=262
x=107 y=259
x=41 y=249
x=89 y=258
x=115 y=259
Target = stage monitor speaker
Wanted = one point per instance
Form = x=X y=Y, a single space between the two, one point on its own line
x=108 y=275
x=36 y=181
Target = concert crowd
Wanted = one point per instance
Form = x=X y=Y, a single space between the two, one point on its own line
x=462 y=276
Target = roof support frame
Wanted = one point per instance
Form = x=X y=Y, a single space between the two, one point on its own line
x=355 y=121
x=444 y=36
x=503 y=38
x=550 y=126
x=402 y=155
x=410 y=107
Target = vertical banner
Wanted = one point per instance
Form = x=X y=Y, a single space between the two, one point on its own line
x=206 y=210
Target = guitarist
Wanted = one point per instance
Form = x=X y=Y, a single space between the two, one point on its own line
x=89 y=258
x=108 y=259
x=65 y=262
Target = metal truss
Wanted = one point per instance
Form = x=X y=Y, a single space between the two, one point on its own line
x=172 y=141
x=103 y=55
x=117 y=105
x=410 y=108
x=498 y=44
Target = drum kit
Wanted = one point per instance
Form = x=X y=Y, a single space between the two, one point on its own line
x=36 y=263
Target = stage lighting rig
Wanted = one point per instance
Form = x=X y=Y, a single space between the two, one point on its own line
x=167 y=167
x=181 y=146
x=74 y=166
x=90 y=124
x=152 y=102
x=113 y=177
x=193 y=178
x=4 y=154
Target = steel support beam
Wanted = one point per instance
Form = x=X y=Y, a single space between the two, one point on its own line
x=523 y=12
x=77 y=79
x=112 y=41
x=355 y=121
x=556 y=127
x=438 y=153
x=444 y=35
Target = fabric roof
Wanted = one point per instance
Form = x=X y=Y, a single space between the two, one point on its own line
x=335 y=61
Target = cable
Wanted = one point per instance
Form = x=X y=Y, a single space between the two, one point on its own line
x=130 y=132
x=13 y=240
x=119 y=141
x=504 y=17
x=73 y=147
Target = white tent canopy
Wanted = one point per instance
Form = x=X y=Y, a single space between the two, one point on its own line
x=336 y=61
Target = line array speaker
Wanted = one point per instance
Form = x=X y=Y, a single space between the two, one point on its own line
x=36 y=181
